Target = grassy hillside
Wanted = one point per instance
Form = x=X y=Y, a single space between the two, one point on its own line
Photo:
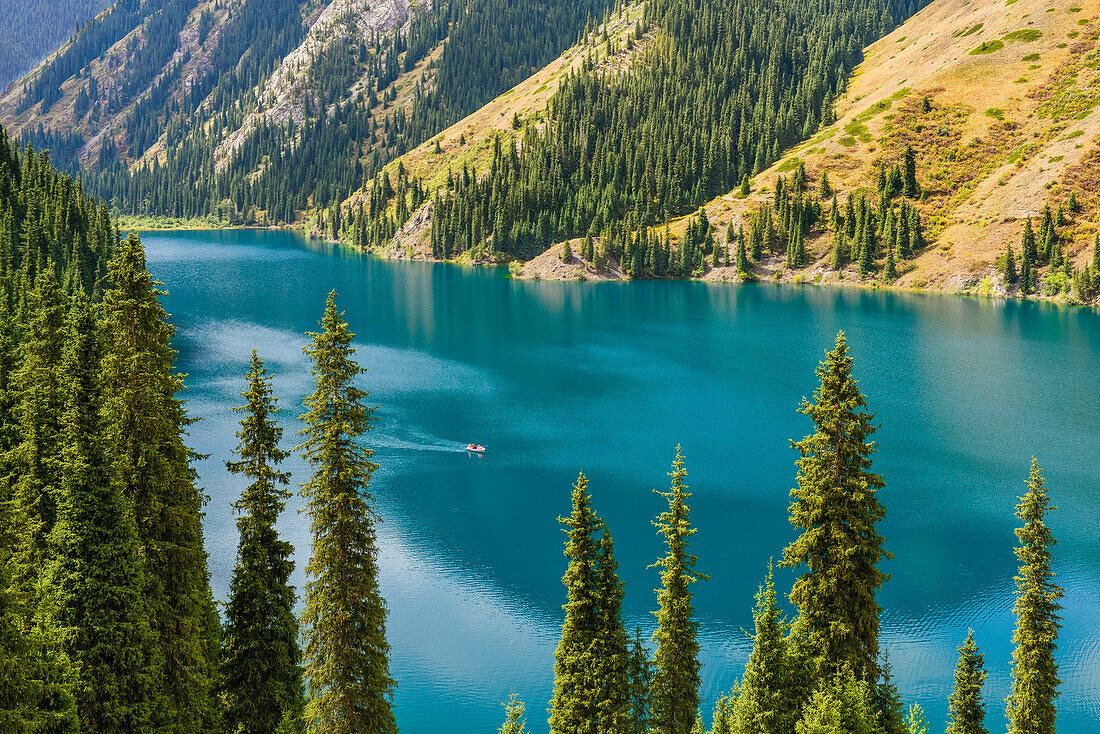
x=997 y=101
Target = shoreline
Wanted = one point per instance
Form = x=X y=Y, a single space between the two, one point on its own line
x=719 y=275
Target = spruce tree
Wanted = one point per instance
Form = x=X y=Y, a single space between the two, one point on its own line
x=836 y=508
x=1028 y=257
x=640 y=677
x=35 y=693
x=36 y=459
x=911 y=189
x=674 y=696
x=347 y=654
x=590 y=666
x=262 y=677
x=889 y=709
x=866 y=253
x=95 y=578
x=514 y=717
x=1035 y=682
x=773 y=689
x=612 y=656
x=146 y=423
x=965 y=706
x=915 y=721
x=841 y=705
x=742 y=261
x=1009 y=271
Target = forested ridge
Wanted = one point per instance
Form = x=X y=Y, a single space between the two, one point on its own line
x=34 y=28
x=712 y=99
x=188 y=98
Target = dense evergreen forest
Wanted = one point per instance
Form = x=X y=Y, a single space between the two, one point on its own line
x=711 y=100
x=34 y=28
x=277 y=171
x=106 y=618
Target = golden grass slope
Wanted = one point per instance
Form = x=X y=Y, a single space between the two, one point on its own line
x=1009 y=126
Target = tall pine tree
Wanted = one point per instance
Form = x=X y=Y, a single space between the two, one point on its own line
x=146 y=422
x=836 y=508
x=95 y=579
x=261 y=660
x=36 y=459
x=591 y=662
x=347 y=654
x=674 y=696
x=1035 y=682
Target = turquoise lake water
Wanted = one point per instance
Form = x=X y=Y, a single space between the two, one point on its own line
x=607 y=378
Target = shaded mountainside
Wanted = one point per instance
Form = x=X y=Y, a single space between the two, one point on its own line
x=34 y=28
x=262 y=111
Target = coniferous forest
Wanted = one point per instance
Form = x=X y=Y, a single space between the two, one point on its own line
x=108 y=624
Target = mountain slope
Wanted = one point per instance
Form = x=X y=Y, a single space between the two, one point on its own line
x=260 y=111
x=33 y=28
x=1007 y=128
x=994 y=100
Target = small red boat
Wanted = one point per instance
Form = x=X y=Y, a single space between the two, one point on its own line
x=476 y=448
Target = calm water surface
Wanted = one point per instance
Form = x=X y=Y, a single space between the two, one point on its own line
x=608 y=378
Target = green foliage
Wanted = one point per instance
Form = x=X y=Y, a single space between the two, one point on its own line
x=1025 y=35
x=347 y=654
x=674 y=696
x=54 y=241
x=39 y=402
x=1029 y=256
x=836 y=508
x=262 y=677
x=1031 y=708
x=777 y=680
x=915 y=721
x=966 y=707
x=34 y=29
x=1008 y=269
x=987 y=47
x=592 y=686
x=514 y=713
x=840 y=706
x=890 y=711
x=145 y=425
x=95 y=579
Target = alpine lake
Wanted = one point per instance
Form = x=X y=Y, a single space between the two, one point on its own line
x=607 y=378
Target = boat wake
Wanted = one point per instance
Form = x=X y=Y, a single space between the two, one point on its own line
x=419 y=442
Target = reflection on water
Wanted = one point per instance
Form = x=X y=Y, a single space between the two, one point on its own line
x=607 y=378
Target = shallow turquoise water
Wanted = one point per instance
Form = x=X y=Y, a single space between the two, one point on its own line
x=607 y=378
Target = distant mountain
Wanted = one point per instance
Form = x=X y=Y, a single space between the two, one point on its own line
x=250 y=111
x=34 y=28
